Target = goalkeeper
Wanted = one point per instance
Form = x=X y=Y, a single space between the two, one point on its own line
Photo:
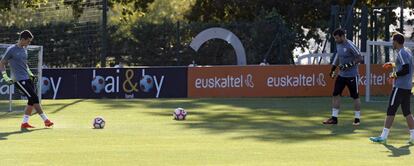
x=347 y=59
x=22 y=77
x=401 y=91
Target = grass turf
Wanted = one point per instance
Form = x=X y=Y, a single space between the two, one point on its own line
x=261 y=131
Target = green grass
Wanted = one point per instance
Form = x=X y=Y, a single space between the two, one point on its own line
x=263 y=131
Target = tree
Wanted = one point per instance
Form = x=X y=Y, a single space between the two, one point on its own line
x=7 y=4
x=306 y=14
x=311 y=15
x=78 y=6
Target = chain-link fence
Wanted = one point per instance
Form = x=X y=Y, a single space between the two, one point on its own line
x=72 y=37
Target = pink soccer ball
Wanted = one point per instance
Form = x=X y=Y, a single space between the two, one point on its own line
x=179 y=114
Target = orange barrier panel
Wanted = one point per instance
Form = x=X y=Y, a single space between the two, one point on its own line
x=268 y=81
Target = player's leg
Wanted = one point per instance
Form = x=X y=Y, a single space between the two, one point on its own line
x=39 y=110
x=38 y=107
x=28 y=110
x=357 y=112
x=405 y=106
x=352 y=84
x=27 y=113
x=34 y=100
x=410 y=123
x=29 y=107
x=336 y=100
x=394 y=103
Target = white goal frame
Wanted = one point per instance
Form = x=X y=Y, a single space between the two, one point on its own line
x=367 y=60
x=39 y=73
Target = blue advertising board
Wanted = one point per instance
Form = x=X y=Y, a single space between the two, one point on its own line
x=169 y=82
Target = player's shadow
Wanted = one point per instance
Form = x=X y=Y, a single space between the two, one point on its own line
x=4 y=135
x=14 y=114
x=67 y=105
x=338 y=130
x=268 y=119
x=398 y=152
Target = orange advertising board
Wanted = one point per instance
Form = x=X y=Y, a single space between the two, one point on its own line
x=269 y=81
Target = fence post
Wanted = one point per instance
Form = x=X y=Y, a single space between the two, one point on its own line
x=349 y=22
x=178 y=45
x=364 y=28
x=104 y=33
x=334 y=21
x=401 y=16
x=387 y=33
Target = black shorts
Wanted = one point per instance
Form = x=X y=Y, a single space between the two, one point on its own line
x=399 y=97
x=350 y=82
x=28 y=89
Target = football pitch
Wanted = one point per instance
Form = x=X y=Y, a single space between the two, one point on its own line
x=243 y=131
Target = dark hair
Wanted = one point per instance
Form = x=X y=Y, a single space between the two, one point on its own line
x=339 y=32
x=398 y=37
x=26 y=34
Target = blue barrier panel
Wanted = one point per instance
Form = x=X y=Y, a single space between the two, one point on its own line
x=167 y=82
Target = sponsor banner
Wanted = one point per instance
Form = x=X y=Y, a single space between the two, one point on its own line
x=268 y=81
x=114 y=83
x=5 y=90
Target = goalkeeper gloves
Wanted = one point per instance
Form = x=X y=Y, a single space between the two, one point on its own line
x=388 y=65
x=332 y=74
x=392 y=77
x=6 y=78
x=31 y=75
x=346 y=66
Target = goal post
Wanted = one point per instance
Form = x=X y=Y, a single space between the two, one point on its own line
x=377 y=53
x=35 y=63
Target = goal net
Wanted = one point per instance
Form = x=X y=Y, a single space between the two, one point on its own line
x=377 y=87
x=9 y=93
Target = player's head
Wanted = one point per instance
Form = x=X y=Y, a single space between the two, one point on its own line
x=339 y=35
x=25 y=37
x=397 y=40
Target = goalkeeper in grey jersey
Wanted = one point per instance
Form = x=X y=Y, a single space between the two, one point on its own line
x=347 y=59
x=22 y=78
x=401 y=91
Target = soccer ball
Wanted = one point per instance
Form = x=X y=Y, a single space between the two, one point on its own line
x=98 y=83
x=45 y=82
x=179 y=114
x=98 y=123
x=146 y=83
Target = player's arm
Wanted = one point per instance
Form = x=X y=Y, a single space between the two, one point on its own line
x=404 y=71
x=357 y=60
x=355 y=51
x=3 y=63
x=31 y=75
x=5 y=77
x=335 y=63
x=405 y=66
